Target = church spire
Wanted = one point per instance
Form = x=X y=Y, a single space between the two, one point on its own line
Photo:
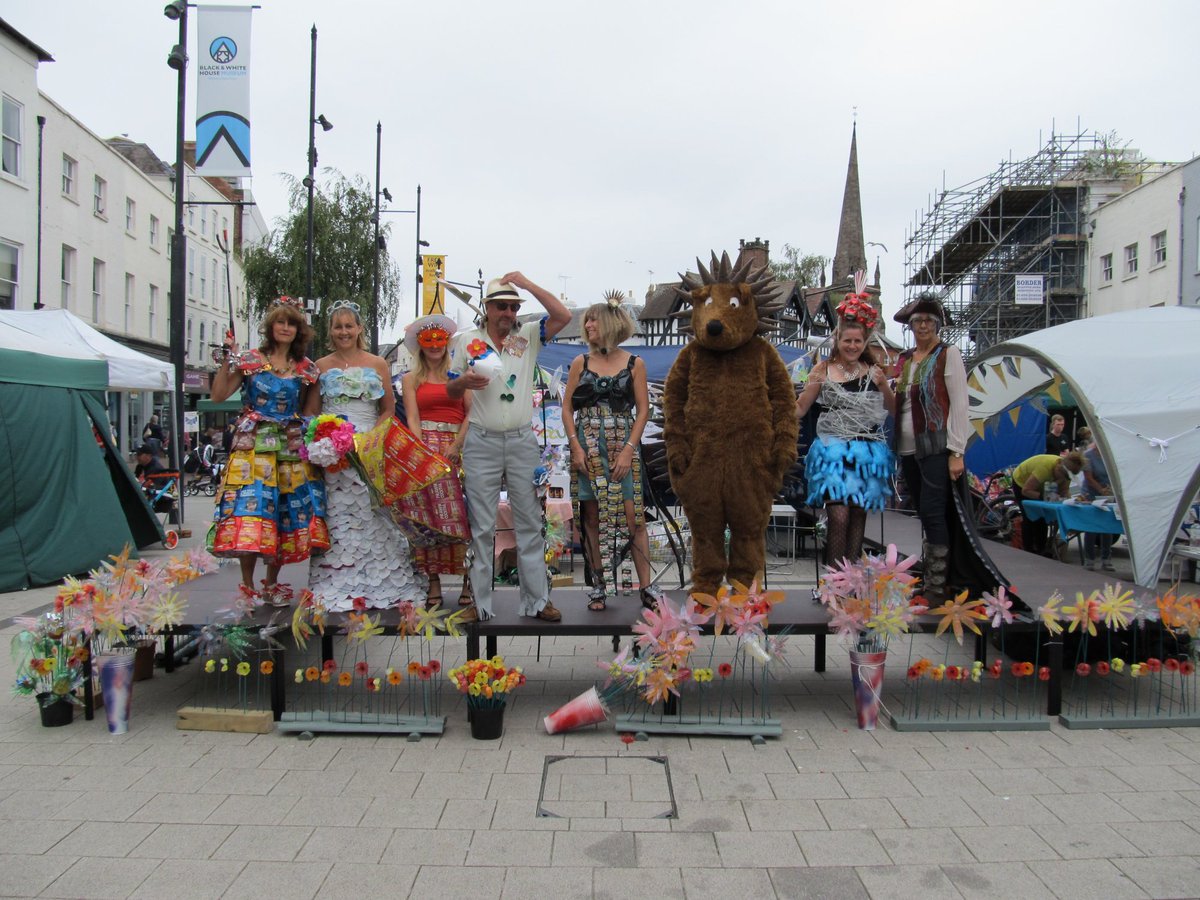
x=851 y=253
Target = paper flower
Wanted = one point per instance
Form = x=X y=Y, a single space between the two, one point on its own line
x=1187 y=667
x=1050 y=615
x=477 y=348
x=1116 y=606
x=1118 y=664
x=1102 y=668
x=361 y=668
x=725 y=670
x=958 y=613
x=361 y=627
x=299 y=676
x=1083 y=670
x=312 y=673
x=394 y=677
x=1044 y=673
x=997 y=607
x=329 y=666
x=243 y=668
x=266 y=667
x=210 y=666
x=345 y=679
x=1084 y=614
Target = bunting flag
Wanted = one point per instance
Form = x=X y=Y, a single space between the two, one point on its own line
x=223 y=91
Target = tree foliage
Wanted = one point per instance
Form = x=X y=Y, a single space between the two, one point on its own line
x=803 y=268
x=343 y=252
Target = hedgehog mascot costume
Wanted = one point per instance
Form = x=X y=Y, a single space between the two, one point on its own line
x=730 y=421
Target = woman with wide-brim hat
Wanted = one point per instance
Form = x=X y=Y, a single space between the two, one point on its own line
x=441 y=423
x=932 y=430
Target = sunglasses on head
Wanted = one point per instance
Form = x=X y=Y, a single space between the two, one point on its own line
x=504 y=306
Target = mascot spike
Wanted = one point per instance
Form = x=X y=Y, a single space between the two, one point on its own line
x=705 y=277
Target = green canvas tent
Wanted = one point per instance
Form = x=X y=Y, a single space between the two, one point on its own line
x=67 y=500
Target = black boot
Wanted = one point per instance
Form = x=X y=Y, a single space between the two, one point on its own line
x=937 y=567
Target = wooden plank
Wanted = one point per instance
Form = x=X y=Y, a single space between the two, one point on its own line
x=245 y=721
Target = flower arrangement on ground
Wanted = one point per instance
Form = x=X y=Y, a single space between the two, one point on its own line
x=486 y=682
x=49 y=660
x=872 y=600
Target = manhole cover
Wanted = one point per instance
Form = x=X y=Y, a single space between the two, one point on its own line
x=607 y=787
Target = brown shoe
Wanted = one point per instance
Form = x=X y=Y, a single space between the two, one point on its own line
x=548 y=613
x=471 y=615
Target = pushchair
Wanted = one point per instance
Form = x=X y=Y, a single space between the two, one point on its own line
x=162 y=493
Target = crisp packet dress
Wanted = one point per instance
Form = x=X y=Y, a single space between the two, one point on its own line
x=271 y=502
x=368 y=556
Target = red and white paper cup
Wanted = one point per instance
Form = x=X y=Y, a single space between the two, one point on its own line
x=586 y=709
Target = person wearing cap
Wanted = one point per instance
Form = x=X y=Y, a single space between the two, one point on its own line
x=148 y=464
x=441 y=423
x=500 y=444
x=931 y=436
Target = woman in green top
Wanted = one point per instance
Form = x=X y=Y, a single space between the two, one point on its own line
x=1030 y=478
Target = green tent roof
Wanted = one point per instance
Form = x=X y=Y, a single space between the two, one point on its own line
x=23 y=367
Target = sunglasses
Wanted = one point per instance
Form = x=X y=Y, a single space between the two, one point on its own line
x=503 y=306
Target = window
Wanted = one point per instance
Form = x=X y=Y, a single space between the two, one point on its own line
x=224 y=227
x=67 y=296
x=11 y=114
x=191 y=289
x=170 y=242
x=203 y=279
x=1158 y=248
x=153 y=308
x=202 y=340
x=204 y=222
x=216 y=297
x=1131 y=260
x=128 y=302
x=130 y=215
x=154 y=231
x=189 y=338
x=70 y=173
x=99 y=195
x=1106 y=268
x=191 y=212
x=97 y=289
x=10 y=262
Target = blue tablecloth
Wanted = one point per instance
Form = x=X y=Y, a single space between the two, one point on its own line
x=1070 y=517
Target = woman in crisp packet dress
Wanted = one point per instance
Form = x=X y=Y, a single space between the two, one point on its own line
x=271 y=503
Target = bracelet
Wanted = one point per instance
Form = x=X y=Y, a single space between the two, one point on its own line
x=630 y=446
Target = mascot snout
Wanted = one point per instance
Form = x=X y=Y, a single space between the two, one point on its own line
x=714 y=328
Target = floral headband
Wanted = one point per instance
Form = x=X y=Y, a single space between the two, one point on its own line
x=857 y=307
x=291 y=302
x=613 y=299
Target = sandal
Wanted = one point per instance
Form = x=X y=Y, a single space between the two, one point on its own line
x=466 y=596
x=651 y=595
x=597 y=599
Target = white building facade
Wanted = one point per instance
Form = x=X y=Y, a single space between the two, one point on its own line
x=103 y=244
x=1136 y=251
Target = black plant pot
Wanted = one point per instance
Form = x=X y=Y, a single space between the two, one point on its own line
x=487 y=724
x=56 y=713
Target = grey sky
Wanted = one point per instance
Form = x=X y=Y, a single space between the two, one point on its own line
x=606 y=141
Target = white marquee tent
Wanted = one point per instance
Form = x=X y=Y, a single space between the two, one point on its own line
x=1136 y=378
x=56 y=332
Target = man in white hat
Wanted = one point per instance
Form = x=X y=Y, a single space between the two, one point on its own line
x=500 y=442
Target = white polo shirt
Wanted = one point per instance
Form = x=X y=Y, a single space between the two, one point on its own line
x=506 y=404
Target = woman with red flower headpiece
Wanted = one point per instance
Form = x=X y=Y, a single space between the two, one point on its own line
x=849 y=465
x=271 y=503
x=441 y=422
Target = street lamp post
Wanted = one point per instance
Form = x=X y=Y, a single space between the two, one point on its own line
x=177 y=60
x=418 y=266
x=375 y=279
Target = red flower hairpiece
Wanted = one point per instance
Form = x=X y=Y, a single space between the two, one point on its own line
x=858 y=308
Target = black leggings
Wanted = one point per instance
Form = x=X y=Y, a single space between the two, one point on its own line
x=928 y=482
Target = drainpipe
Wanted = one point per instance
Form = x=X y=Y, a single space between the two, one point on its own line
x=37 y=299
x=1182 y=199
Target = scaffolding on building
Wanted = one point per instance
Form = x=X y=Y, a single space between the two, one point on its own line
x=1026 y=218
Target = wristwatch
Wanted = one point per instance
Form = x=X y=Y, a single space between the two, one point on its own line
x=956 y=455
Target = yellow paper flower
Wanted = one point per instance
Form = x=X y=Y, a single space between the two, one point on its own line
x=1050 y=615
x=959 y=612
x=210 y=666
x=1118 y=664
x=1116 y=606
x=1083 y=614
x=243 y=668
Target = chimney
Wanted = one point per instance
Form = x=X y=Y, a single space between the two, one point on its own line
x=757 y=251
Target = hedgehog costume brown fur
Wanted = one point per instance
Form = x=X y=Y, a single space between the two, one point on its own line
x=730 y=421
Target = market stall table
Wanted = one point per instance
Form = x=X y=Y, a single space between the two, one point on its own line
x=1076 y=519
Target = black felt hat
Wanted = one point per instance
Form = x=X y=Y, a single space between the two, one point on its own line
x=925 y=303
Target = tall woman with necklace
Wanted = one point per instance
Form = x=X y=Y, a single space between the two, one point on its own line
x=849 y=465
x=369 y=559
x=932 y=429
x=605 y=410
x=271 y=503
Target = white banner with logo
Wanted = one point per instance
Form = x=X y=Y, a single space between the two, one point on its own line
x=223 y=91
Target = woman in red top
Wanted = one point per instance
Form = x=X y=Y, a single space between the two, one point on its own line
x=439 y=510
